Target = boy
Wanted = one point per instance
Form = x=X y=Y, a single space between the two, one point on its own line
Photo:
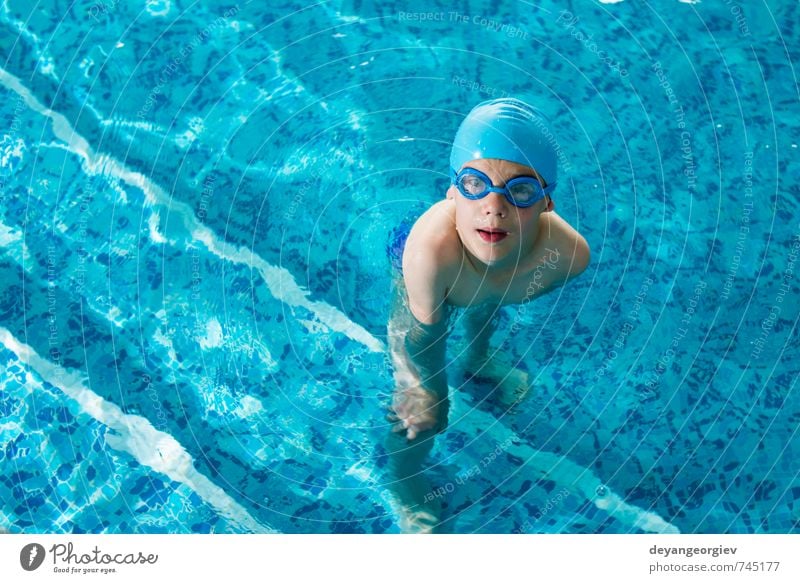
x=481 y=248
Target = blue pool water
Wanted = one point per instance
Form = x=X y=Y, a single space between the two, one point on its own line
x=194 y=289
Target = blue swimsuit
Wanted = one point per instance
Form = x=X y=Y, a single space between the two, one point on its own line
x=397 y=243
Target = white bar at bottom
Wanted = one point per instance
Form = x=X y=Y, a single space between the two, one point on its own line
x=390 y=558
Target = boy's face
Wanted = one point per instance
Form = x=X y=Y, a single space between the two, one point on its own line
x=493 y=230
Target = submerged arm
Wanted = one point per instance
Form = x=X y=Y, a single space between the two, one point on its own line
x=418 y=354
x=478 y=328
x=425 y=345
x=419 y=345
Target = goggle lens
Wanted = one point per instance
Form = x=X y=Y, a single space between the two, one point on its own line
x=473 y=184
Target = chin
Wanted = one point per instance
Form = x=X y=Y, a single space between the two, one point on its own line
x=491 y=259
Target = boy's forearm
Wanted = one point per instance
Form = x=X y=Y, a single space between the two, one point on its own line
x=417 y=349
x=425 y=346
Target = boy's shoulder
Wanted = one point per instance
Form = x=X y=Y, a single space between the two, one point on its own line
x=561 y=236
x=434 y=234
x=430 y=260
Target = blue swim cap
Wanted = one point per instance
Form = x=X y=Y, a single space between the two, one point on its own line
x=508 y=129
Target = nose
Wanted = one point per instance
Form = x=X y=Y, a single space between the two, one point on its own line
x=495 y=204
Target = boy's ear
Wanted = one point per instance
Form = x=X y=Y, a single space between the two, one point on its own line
x=550 y=205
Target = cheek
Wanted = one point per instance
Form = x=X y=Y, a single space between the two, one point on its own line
x=529 y=216
x=525 y=219
x=464 y=213
x=462 y=224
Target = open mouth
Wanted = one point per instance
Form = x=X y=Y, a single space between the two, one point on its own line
x=492 y=235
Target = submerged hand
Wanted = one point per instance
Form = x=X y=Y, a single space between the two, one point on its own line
x=416 y=410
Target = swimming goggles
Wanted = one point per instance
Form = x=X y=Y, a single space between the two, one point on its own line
x=522 y=191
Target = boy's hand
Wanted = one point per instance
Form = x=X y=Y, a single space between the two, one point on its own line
x=416 y=410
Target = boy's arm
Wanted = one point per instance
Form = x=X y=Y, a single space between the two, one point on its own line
x=478 y=327
x=426 y=280
x=426 y=277
x=423 y=348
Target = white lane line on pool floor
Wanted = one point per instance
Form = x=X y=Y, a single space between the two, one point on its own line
x=12 y=240
x=136 y=435
x=565 y=473
x=574 y=477
x=279 y=280
x=283 y=287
